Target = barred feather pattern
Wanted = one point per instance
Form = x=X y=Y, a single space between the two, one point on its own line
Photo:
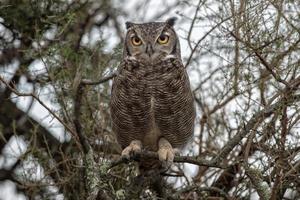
x=150 y=101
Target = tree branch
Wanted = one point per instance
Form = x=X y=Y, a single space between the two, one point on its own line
x=100 y=81
x=258 y=183
x=43 y=104
x=196 y=160
x=245 y=129
x=262 y=60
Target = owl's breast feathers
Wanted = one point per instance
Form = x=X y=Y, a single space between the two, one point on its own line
x=152 y=101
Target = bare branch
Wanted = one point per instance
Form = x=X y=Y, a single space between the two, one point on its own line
x=196 y=160
x=100 y=81
x=43 y=104
x=245 y=129
x=259 y=185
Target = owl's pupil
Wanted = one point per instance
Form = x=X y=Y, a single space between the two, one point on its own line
x=136 y=40
x=162 y=37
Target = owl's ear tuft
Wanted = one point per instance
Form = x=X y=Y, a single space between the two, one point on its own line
x=128 y=25
x=171 y=21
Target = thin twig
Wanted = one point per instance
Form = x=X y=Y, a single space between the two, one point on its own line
x=256 y=118
x=44 y=105
x=262 y=60
x=202 y=38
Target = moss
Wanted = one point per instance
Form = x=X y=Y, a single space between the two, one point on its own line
x=258 y=183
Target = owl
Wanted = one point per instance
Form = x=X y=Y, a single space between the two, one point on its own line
x=152 y=106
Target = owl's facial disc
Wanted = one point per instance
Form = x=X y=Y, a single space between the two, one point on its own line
x=152 y=49
x=150 y=42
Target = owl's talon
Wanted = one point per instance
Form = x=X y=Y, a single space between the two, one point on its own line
x=134 y=147
x=166 y=156
x=125 y=157
x=165 y=153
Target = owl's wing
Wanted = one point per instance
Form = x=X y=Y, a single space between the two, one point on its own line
x=129 y=105
x=174 y=104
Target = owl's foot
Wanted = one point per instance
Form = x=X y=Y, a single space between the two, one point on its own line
x=134 y=147
x=165 y=153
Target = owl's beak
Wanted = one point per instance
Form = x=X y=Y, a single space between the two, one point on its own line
x=149 y=50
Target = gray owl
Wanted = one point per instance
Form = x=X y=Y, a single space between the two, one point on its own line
x=152 y=106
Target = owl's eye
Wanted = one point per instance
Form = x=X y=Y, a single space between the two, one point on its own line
x=136 y=41
x=163 y=39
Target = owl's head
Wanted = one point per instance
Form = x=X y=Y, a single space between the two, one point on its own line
x=151 y=42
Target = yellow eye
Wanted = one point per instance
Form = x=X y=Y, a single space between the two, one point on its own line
x=136 y=41
x=163 y=39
